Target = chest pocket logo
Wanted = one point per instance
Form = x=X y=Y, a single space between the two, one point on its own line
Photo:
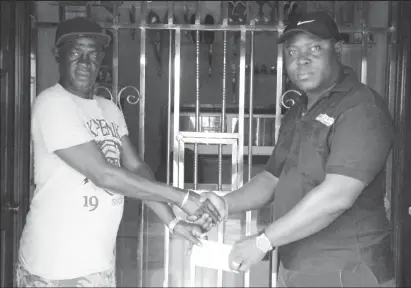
x=325 y=119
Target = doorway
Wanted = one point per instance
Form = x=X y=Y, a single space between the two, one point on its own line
x=15 y=57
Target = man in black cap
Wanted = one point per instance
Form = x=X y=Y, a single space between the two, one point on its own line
x=84 y=166
x=325 y=175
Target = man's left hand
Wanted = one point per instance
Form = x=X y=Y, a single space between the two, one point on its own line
x=245 y=253
x=190 y=232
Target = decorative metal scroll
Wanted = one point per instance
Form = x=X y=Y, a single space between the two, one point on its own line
x=131 y=99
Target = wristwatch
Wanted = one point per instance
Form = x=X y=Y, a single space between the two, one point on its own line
x=263 y=243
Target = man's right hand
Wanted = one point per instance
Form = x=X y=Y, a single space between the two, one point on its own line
x=197 y=205
x=216 y=201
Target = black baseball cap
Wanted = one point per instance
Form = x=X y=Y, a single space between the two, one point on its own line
x=319 y=23
x=79 y=27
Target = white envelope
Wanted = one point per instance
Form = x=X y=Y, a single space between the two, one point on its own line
x=212 y=255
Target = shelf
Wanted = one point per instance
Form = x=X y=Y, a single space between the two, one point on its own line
x=213 y=150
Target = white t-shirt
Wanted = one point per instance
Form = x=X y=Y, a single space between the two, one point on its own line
x=72 y=224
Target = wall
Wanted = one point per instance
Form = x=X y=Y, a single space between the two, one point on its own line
x=210 y=91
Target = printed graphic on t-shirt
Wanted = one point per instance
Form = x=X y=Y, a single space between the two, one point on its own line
x=107 y=137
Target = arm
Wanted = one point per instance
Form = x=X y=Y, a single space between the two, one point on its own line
x=64 y=133
x=256 y=193
x=88 y=160
x=260 y=190
x=131 y=161
x=318 y=209
x=359 y=150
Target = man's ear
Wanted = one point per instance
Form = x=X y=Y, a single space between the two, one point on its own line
x=338 y=48
x=56 y=53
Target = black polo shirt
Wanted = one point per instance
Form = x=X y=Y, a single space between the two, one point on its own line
x=348 y=131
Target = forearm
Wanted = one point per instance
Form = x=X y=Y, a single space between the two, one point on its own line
x=162 y=210
x=125 y=182
x=255 y=194
x=312 y=214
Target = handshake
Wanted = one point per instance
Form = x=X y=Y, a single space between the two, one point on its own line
x=204 y=211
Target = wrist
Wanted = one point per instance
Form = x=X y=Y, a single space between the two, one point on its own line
x=263 y=243
x=185 y=199
x=226 y=208
x=172 y=224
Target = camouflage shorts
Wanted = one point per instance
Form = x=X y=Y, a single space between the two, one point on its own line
x=102 y=279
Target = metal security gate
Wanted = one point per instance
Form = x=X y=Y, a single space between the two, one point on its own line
x=180 y=270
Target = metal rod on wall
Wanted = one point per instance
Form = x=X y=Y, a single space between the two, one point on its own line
x=241 y=98
x=364 y=42
x=210 y=27
x=250 y=143
x=219 y=27
x=279 y=92
x=141 y=246
x=114 y=85
x=170 y=10
x=251 y=106
x=390 y=90
x=221 y=227
x=197 y=101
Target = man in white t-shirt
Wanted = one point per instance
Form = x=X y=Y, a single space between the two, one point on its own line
x=84 y=166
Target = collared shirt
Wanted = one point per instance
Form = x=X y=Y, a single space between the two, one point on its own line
x=348 y=131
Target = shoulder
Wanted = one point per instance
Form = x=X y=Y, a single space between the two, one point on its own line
x=366 y=102
x=52 y=98
x=108 y=105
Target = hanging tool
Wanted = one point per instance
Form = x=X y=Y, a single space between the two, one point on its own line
x=132 y=18
x=237 y=12
x=291 y=10
x=155 y=37
x=261 y=18
x=193 y=33
x=165 y=32
x=209 y=40
x=110 y=7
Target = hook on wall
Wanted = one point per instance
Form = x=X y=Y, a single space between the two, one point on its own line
x=209 y=40
x=193 y=36
x=155 y=37
x=237 y=11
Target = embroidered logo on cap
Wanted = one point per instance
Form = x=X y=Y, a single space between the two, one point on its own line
x=325 y=119
x=303 y=22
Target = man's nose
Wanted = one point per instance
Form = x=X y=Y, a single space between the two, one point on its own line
x=84 y=59
x=303 y=59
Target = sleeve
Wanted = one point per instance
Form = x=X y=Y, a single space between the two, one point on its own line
x=274 y=164
x=281 y=150
x=60 y=124
x=361 y=142
x=122 y=130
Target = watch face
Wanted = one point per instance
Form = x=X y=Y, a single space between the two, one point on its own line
x=263 y=243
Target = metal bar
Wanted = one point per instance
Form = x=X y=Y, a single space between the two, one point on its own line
x=210 y=27
x=223 y=99
x=390 y=86
x=197 y=101
x=207 y=135
x=170 y=12
x=221 y=227
x=141 y=147
x=33 y=83
x=251 y=106
x=241 y=98
x=234 y=167
x=364 y=43
x=176 y=111
x=279 y=92
x=114 y=86
x=220 y=27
